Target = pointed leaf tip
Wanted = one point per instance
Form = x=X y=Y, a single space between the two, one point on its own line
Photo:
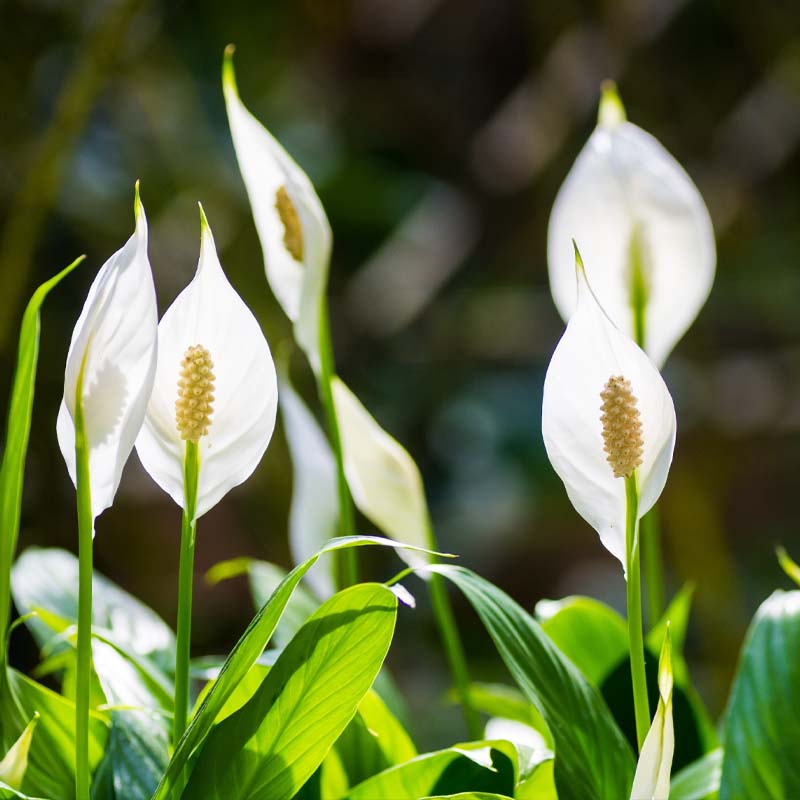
x=228 y=74
x=611 y=111
x=788 y=565
x=204 y=226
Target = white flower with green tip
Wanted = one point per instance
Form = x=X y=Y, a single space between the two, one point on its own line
x=607 y=415
x=295 y=234
x=643 y=229
x=215 y=386
x=112 y=356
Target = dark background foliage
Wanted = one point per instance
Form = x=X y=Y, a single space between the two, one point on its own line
x=437 y=133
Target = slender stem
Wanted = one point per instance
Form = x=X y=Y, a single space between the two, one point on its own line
x=346 y=558
x=650 y=527
x=85 y=543
x=191 y=469
x=454 y=649
x=634 y=595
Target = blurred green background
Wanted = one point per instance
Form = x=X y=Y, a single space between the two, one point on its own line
x=437 y=133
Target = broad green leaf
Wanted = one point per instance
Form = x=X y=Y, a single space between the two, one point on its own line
x=469 y=796
x=534 y=756
x=244 y=654
x=137 y=752
x=17 y=433
x=47 y=579
x=7 y=793
x=592 y=635
x=271 y=746
x=593 y=759
x=761 y=736
x=15 y=761
x=499 y=700
x=51 y=759
x=373 y=741
x=700 y=780
x=314 y=513
x=383 y=478
x=474 y=766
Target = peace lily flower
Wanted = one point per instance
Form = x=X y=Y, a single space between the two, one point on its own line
x=215 y=386
x=112 y=356
x=643 y=228
x=606 y=416
x=651 y=781
x=291 y=223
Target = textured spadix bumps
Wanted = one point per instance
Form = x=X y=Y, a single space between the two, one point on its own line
x=113 y=351
x=227 y=406
x=594 y=359
x=642 y=227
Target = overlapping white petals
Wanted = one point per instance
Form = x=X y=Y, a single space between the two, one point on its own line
x=291 y=223
x=383 y=478
x=314 y=513
x=592 y=350
x=632 y=208
x=115 y=342
x=651 y=781
x=210 y=313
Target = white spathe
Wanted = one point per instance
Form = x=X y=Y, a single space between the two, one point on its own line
x=651 y=781
x=314 y=513
x=626 y=192
x=592 y=350
x=384 y=480
x=115 y=340
x=298 y=283
x=210 y=313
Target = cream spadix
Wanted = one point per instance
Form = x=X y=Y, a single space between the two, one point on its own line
x=643 y=229
x=215 y=386
x=113 y=356
x=291 y=223
x=606 y=415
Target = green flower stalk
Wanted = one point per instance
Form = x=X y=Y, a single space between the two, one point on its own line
x=209 y=420
x=108 y=379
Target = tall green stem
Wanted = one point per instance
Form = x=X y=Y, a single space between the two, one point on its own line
x=191 y=469
x=634 y=595
x=454 y=649
x=85 y=542
x=346 y=558
x=651 y=563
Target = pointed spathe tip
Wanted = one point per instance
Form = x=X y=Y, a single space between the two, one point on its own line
x=228 y=74
x=611 y=111
x=138 y=208
x=580 y=270
x=204 y=226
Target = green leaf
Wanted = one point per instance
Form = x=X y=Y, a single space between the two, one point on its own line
x=534 y=756
x=137 y=752
x=700 y=780
x=499 y=700
x=15 y=761
x=244 y=654
x=788 y=565
x=17 y=433
x=51 y=759
x=474 y=766
x=47 y=578
x=264 y=579
x=593 y=759
x=761 y=735
x=271 y=746
x=373 y=741
x=469 y=796
x=592 y=635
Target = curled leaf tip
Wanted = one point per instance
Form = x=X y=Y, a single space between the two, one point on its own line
x=787 y=564
x=611 y=111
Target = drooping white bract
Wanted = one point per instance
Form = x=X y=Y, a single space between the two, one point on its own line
x=384 y=480
x=295 y=234
x=591 y=351
x=314 y=513
x=651 y=781
x=642 y=227
x=210 y=314
x=115 y=342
